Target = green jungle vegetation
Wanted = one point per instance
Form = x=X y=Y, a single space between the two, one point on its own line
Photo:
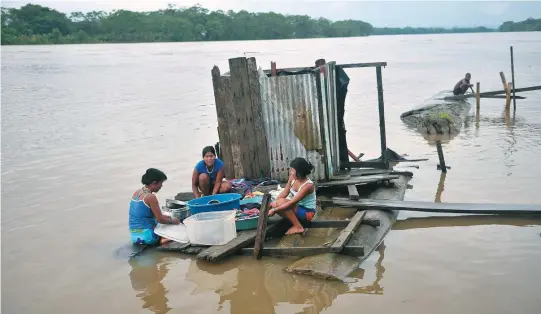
x=35 y=24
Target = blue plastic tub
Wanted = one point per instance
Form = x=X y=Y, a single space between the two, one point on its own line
x=212 y=203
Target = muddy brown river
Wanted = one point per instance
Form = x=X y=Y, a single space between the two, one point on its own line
x=81 y=123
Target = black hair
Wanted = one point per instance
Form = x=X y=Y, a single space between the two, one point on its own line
x=153 y=175
x=209 y=149
x=301 y=166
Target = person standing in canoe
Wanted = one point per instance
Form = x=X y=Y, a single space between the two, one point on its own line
x=462 y=86
x=208 y=175
x=145 y=212
x=303 y=191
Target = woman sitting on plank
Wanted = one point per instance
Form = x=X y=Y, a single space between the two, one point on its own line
x=303 y=204
x=145 y=212
x=208 y=175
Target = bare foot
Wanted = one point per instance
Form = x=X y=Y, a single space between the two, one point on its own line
x=164 y=241
x=295 y=230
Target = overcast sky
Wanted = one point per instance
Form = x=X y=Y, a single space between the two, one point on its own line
x=378 y=13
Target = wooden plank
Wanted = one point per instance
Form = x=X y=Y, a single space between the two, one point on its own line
x=347 y=233
x=305 y=251
x=260 y=151
x=368 y=171
x=220 y=97
x=459 y=208
x=341 y=175
x=243 y=239
x=497 y=92
x=503 y=97
x=478 y=95
x=338 y=223
x=234 y=135
x=362 y=65
x=440 y=157
x=364 y=164
x=359 y=180
x=507 y=90
x=353 y=193
x=261 y=226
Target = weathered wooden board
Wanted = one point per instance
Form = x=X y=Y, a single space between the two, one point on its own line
x=338 y=223
x=222 y=94
x=359 y=180
x=353 y=193
x=305 y=251
x=466 y=221
x=328 y=266
x=368 y=171
x=261 y=226
x=347 y=233
x=458 y=208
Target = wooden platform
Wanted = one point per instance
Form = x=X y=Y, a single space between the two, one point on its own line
x=358 y=180
x=458 y=208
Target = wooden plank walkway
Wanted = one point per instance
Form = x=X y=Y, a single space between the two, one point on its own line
x=458 y=208
x=359 y=180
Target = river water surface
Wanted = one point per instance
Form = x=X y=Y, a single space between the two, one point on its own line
x=81 y=123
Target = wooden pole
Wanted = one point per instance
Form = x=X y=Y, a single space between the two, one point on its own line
x=440 y=156
x=478 y=95
x=273 y=68
x=261 y=226
x=513 y=79
x=381 y=110
x=507 y=91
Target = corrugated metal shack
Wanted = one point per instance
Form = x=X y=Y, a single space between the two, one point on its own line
x=266 y=119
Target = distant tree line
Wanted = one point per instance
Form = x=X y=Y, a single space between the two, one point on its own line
x=35 y=24
x=530 y=25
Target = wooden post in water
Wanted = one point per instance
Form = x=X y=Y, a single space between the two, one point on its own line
x=440 y=156
x=507 y=91
x=513 y=79
x=381 y=110
x=478 y=95
x=261 y=226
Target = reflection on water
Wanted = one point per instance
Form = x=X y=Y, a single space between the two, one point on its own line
x=441 y=186
x=146 y=275
x=248 y=286
x=466 y=221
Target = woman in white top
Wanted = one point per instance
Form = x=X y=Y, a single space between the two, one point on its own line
x=303 y=204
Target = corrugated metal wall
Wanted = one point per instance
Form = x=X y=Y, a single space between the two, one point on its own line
x=291 y=116
x=330 y=110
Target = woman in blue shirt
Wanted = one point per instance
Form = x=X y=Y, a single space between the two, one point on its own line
x=145 y=212
x=208 y=175
x=298 y=199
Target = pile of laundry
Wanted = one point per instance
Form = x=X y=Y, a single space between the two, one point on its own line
x=245 y=187
x=247 y=213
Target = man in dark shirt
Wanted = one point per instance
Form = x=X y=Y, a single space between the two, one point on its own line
x=462 y=86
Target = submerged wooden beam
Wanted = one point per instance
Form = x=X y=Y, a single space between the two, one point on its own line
x=347 y=233
x=339 y=223
x=305 y=251
x=459 y=208
x=503 y=97
x=498 y=92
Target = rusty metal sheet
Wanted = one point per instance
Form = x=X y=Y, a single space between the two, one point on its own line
x=291 y=116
